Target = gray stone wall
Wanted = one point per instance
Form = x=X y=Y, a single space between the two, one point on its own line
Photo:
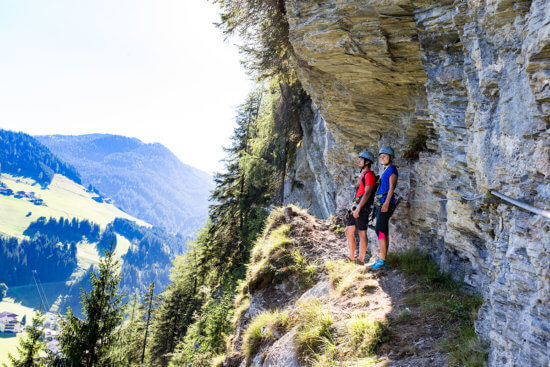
x=473 y=78
x=310 y=185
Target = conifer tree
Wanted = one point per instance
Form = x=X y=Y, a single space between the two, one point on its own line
x=89 y=342
x=179 y=302
x=3 y=290
x=31 y=345
x=124 y=353
x=149 y=304
x=194 y=316
x=135 y=333
x=262 y=28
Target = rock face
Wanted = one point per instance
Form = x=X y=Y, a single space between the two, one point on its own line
x=310 y=184
x=471 y=79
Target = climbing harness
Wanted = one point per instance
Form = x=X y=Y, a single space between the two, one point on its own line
x=356 y=200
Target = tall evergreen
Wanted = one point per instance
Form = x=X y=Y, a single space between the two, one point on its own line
x=149 y=304
x=3 y=290
x=134 y=334
x=193 y=319
x=31 y=345
x=262 y=28
x=91 y=341
x=179 y=302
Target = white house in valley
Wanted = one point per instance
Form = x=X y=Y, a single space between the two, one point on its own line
x=9 y=323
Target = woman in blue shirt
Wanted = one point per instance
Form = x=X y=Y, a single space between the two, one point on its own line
x=385 y=202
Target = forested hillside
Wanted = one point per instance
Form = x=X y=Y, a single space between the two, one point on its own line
x=23 y=155
x=53 y=260
x=56 y=234
x=150 y=257
x=194 y=316
x=145 y=180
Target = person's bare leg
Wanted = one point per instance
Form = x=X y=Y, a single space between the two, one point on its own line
x=351 y=241
x=363 y=243
x=384 y=244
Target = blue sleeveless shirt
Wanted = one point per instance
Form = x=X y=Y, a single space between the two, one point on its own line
x=385 y=183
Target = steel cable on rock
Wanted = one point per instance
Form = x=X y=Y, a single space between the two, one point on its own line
x=533 y=209
x=444 y=199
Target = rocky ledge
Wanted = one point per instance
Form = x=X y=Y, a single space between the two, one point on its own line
x=461 y=89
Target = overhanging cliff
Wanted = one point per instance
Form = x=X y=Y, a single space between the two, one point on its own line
x=471 y=78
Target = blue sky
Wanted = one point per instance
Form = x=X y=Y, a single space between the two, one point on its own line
x=156 y=70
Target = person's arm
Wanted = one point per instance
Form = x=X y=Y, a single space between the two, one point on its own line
x=393 y=182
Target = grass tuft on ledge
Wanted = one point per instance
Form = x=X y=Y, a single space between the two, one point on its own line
x=263 y=329
x=441 y=296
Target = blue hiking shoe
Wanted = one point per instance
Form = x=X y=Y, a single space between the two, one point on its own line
x=379 y=264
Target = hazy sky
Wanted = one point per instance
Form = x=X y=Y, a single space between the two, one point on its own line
x=156 y=70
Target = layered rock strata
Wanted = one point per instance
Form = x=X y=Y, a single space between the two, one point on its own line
x=310 y=185
x=472 y=80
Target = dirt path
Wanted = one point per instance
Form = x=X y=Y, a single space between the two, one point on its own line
x=415 y=337
x=413 y=334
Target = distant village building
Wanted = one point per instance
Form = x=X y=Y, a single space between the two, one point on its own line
x=9 y=323
x=51 y=321
x=6 y=191
x=51 y=332
x=53 y=346
x=20 y=194
x=37 y=201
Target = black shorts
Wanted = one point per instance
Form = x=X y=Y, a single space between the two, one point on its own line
x=382 y=221
x=362 y=222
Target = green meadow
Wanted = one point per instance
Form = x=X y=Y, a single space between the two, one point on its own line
x=62 y=198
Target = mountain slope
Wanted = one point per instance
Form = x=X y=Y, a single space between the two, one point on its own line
x=302 y=304
x=146 y=180
x=22 y=155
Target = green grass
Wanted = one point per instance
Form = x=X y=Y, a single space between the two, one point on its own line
x=8 y=344
x=63 y=198
x=414 y=262
x=275 y=258
x=338 y=229
x=338 y=270
x=323 y=340
x=366 y=334
x=262 y=330
x=445 y=298
x=466 y=349
x=345 y=279
x=218 y=361
x=404 y=316
x=122 y=246
x=315 y=330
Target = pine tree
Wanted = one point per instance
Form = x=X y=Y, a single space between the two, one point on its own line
x=149 y=304
x=31 y=345
x=90 y=341
x=262 y=28
x=193 y=319
x=180 y=300
x=3 y=290
x=135 y=333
